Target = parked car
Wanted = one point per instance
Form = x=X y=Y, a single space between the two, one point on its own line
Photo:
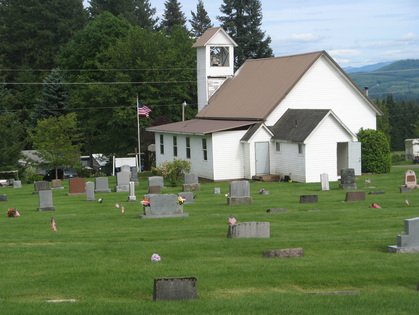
x=63 y=173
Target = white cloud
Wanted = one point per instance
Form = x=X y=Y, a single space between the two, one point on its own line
x=304 y=37
x=344 y=52
x=408 y=37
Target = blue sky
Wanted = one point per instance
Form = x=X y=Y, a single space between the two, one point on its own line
x=353 y=32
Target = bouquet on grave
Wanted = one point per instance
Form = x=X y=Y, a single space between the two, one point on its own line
x=181 y=200
x=145 y=202
x=13 y=213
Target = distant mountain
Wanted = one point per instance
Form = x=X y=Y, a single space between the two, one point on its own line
x=399 y=78
x=367 y=68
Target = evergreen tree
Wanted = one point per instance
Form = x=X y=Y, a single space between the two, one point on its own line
x=200 y=21
x=375 y=151
x=144 y=14
x=383 y=122
x=242 y=20
x=54 y=97
x=11 y=142
x=173 y=16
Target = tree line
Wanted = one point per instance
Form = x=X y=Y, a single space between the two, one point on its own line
x=58 y=58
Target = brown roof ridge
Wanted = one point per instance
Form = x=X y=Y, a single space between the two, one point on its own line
x=319 y=52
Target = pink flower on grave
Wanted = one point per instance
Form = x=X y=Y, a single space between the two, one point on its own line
x=13 y=213
x=375 y=205
x=145 y=202
x=232 y=220
x=155 y=257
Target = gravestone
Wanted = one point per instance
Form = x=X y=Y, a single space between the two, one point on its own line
x=3 y=197
x=134 y=174
x=249 y=230
x=122 y=181
x=45 y=200
x=163 y=206
x=284 y=253
x=309 y=198
x=191 y=182
x=56 y=184
x=408 y=242
x=17 y=184
x=184 y=288
x=155 y=184
x=102 y=185
x=41 y=185
x=239 y=193
x=347 y=178
x=188 y=196
x=125 y=168
x=90 y=191
x=77 y=186
x=132 y=196
x=355 y=196
x=277 y=210
x=217 y=190
x=324 y=180
x=410 y=181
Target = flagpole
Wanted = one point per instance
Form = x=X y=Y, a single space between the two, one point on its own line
x=138 y=136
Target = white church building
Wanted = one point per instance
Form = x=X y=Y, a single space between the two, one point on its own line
x=294 y=116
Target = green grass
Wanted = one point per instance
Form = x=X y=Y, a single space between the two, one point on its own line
x=101 y=258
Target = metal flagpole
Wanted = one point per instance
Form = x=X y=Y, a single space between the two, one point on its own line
x=138 y=136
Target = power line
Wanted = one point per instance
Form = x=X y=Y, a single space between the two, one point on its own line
x=96 y=70
x=98 y=83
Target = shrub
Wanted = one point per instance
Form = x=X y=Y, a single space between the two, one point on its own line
x=375 y=151
x=173 y=171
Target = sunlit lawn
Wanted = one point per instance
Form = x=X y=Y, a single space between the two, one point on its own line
x=98 y=261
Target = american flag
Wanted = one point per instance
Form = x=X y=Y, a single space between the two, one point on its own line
x=143 y=110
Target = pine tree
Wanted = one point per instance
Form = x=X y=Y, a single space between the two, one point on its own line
x=173 y=16
x=200 y=21
x=144 y=14
x=242 y=20
x=54 y=97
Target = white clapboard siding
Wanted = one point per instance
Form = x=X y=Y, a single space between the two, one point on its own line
x=322 y=87
x=321 y=150
x=228 y=151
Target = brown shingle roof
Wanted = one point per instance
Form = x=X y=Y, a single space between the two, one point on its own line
x=208 y=34
x=258 y=87
x=201 y=126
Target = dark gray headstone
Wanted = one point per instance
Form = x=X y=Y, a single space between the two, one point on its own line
x=239 y=193
x=163 y=206
x=355 y=196
x=41 y=185
x=347 y=178
x=309 y=198
x=122 y=180
x=284 y=253
x=404 y=189
x=102 y=185
x=45 y=200
x=191 y=182
x=90 y=191
x=409 y=240
x=3 y=197
x=134 y=174
x=249 y=230
x=175 y=288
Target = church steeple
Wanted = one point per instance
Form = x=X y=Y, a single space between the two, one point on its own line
x=215 y=62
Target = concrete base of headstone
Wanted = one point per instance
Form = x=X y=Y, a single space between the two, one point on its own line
x=184 y=288
x=132 y=198
x=284 y=253
x=355 y=196
x=376 y=192
x=309 y=198
x=122 y=188
x=249 y=230
x=239 y=201
x=3 y=197
x=402 y=250
x=191 y=187
x=277 y=210
x=405 y=189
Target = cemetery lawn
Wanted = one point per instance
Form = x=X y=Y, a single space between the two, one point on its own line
x=98 y=261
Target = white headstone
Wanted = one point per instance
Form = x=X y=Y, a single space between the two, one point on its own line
x=132 y=196
x=324 y=179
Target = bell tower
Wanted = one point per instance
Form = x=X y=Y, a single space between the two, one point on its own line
x=215 y=62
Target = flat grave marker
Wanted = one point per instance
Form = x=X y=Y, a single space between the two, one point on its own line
x=183 y=288
x=249 y=230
